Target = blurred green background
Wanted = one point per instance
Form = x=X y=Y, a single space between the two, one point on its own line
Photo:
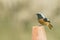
x=18 y=16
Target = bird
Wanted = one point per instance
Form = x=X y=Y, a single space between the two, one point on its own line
x=43 y=20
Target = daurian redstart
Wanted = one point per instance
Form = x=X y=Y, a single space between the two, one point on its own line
x=43 y=20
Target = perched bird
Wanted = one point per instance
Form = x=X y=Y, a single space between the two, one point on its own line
x=43 y=20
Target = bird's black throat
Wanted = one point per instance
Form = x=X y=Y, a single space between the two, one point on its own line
x=39 y=16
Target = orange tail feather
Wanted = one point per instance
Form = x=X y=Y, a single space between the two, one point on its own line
x=50 y=26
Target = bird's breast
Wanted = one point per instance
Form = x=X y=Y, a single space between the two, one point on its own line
x=41 y=21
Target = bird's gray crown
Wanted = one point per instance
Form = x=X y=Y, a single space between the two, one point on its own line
x=40 y=15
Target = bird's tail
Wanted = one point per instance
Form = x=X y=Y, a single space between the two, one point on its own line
x=50 y=26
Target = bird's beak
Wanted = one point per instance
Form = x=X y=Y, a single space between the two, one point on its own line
x=35 y=14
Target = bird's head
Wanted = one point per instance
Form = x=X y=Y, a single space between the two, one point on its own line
x=37 y=14
x=40 y=15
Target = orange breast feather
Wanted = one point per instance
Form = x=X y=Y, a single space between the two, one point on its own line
x=41 y=21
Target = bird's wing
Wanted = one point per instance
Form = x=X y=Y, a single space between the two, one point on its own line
x=46 y=20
